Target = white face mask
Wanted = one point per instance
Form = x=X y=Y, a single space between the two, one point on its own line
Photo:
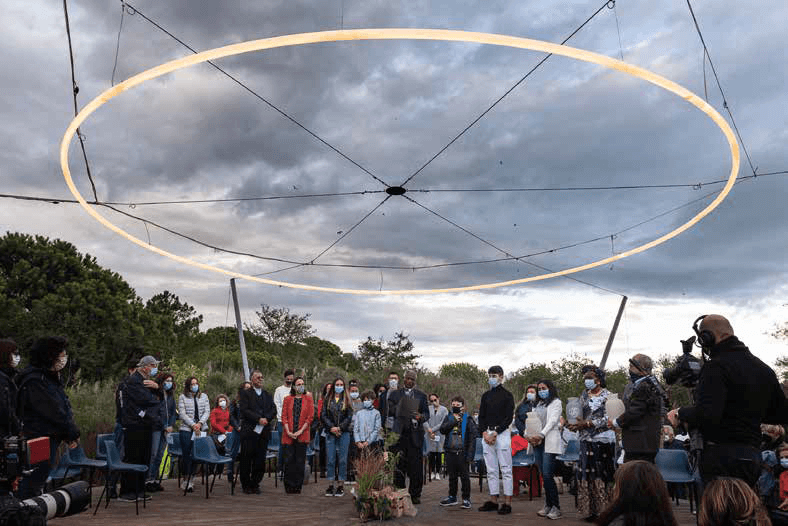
x=223 y=403
x=15 y=359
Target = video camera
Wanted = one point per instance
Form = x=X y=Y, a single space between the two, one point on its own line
x=18 y=455
x=686 y=370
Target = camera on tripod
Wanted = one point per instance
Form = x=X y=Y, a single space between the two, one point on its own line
x=18 y=455
x=686 y=370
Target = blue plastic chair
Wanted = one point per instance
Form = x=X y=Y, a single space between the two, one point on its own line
x=674 y=466
x=523 y=459
x=478 y=459
x=274 y=443
x=311 y=449
x=78 y=459
x=63 y=471
x=571 y=453
x=174 y=451
x=101 y=452
x=204 y=452
x=116 y=466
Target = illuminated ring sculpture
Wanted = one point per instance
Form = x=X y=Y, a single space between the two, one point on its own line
x=401 y=34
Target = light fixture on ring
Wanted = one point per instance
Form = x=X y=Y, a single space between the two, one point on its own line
x=400 y=34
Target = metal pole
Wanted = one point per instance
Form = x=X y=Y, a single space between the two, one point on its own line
x=613 y=333
x=240 y=330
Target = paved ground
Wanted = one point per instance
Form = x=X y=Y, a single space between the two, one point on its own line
x=310 y=508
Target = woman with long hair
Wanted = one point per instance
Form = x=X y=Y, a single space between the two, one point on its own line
x=547 y=445
x=337 y=416
x=640 y=498
x=731 y=502
x=525 y=406
x=297 y=414
x=194 y=409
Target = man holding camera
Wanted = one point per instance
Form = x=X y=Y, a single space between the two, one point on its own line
x=736 y=393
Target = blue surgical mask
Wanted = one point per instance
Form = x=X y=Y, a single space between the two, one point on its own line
x=339 y=389
x=544 y=393
x=195 y=388
x=493 y=381
x=590 y=383
x=530 y=396
x=367 y=404
x=167 y=386
x=354 y=395
x=154 y=372
x=784 y=462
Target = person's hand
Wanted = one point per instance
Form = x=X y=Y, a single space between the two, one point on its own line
x=673 y=418
x=415 y=415
x=457 y=416
x=263 y=422
x=168 y=429
x=150 y=384
x=196 y=427
x=432 y=434
x=784 y=505
x=292 y=435
x=610 y=424
x=72 y=445
x=335 y=430
x=535 y=440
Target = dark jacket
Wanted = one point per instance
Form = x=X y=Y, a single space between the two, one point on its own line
x=388 y=405
x=9 y=424
x=235 y=415
x=253 y=408
x=469 y=430
x=496 y=410
x=336 y=414
x=43 y=406
x=167 y=409
x=641 y=422
x=140 y=407
x=736 y=393
x=521 y=413
x=403 y=423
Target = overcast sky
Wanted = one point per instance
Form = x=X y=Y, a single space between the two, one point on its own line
x=390 y=107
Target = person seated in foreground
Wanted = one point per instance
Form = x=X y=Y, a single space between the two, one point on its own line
x=640 y=498
x=730 y=501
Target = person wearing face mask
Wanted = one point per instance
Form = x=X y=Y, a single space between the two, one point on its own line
x=354 y=392
x=194 y=409
x=547 y=445
x=433 y=437
x=297 y=414
x=336 y=417
x=644 y=409
x=140 y=415
x=388 y=401
x=596 y=467
x=43 y=407
x=669 y=440
x=366 y=424
x=9 y=361
x=257 y=412
x=323 y=432
x=220 y=422
x=496 y=411
x=280 y=393
x=736 y=393
x=460 y=433
x=168 y=416
x=525 y=406
x=410 y=423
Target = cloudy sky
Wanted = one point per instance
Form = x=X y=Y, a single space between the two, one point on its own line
x=390 y=107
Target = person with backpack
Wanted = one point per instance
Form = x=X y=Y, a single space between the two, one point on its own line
x=459 y=431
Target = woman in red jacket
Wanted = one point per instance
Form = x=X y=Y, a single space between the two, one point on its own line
x=297 y=415
x=220 y=422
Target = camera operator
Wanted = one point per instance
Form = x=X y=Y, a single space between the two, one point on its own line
x=736 y=393
x=9 y=360
x=44 y=408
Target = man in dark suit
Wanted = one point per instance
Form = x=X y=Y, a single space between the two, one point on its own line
x=410 y=417
x=257 y=412
x=387 y=401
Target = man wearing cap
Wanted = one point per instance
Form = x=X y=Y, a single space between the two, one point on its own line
x=644 y=403
x=139 y=415
x=496 y=412
x=410 y=422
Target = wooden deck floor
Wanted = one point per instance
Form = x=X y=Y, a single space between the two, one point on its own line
x=310 y=508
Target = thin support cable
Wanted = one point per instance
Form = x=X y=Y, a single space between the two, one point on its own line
x=264 y=100
x=494 y=104
x=75 y=90
x=719 y=85
x=117 y=45
x=618 y=30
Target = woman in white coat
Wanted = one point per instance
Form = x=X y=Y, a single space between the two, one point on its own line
x=547 y=444
x=432 y=437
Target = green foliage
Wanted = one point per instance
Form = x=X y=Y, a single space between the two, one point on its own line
x=380 y=356
x=278 y=325
x=782 y=367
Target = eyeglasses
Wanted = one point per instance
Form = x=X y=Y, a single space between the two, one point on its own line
x=433 y=399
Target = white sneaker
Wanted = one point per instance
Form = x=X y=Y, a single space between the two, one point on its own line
x=554 y=514
x=437 y=476
x=544 y=511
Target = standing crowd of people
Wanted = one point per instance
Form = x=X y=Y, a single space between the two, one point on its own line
x=738 y=409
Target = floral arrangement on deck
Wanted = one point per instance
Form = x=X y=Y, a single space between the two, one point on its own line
x=377 y=498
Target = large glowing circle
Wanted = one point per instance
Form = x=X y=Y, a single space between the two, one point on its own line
x=399 y=34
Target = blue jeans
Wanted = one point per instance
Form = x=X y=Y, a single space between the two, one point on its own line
x=337 y=447
x=546 y=463
x=157 y=443
x=186 y=449
x=233 y=452
x=117 y=437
